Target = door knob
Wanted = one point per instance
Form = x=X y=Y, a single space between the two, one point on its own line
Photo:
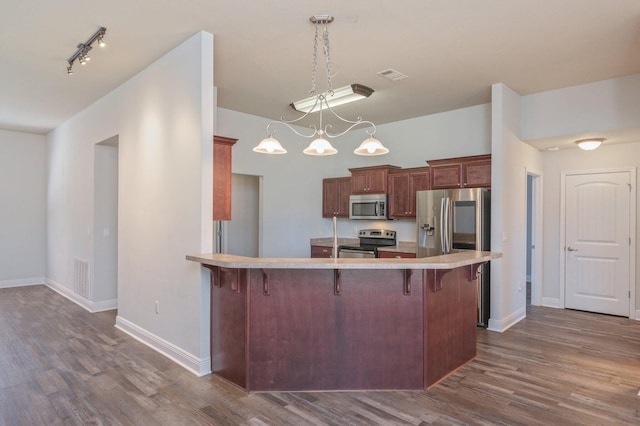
x=571 y=249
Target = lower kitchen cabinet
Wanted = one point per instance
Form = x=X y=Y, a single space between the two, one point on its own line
x=321 y=251
x=396 y=254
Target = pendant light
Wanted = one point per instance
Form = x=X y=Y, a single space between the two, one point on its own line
x=320 y=145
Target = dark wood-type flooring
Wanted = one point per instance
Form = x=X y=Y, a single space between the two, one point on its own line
x=62 y=365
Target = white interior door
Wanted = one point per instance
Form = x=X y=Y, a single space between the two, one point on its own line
x=598 y=242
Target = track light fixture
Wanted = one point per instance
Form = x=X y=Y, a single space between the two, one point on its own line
x=82 y=54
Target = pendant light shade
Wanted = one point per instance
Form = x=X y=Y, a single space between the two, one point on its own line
x=320 y=146
x=270 y=145
x=371 y=146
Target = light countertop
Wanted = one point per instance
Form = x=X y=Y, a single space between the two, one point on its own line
x=447 y=261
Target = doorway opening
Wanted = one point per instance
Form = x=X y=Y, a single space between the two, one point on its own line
x=534 y=239
x=242 y=235
x=104 y=274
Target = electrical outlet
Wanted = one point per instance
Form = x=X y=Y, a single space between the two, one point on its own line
x=157 y=305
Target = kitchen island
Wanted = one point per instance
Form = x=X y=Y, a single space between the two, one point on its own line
x=318 y=324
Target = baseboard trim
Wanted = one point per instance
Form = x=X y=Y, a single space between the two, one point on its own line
x=550 y=302
x=198 y=366
x=22 y=282
x=503 y=325
x=87 y=304
x=637 y=317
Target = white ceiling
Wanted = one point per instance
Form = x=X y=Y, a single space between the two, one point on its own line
x=451 y=50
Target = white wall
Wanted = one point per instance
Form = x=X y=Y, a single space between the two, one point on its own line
x=164 y=121
x=511 y=158
x=599 y=106
x=292 y=184
x=22 y=209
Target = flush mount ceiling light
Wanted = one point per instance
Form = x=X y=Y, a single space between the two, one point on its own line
x=590 y=144
x=82 y=54
x=324 y=101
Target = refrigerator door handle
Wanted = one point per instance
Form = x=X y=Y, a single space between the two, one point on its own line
x=447 y=231
x=442 y=225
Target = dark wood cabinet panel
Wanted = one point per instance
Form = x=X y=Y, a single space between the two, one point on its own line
x=293 y=327
x=377 y=181
x=351 y=329
x=446 y=176
x=321 y=252
x=450 y=316
x=370 y=180
x=402 y=191
x=398 y=195
x=379 y=347
x=477 y=174
x=343 y=337
x=335 y=197
x=222 y=177
x=359 y=182
x=229 y=321
x=395 y=254
x=461 y=172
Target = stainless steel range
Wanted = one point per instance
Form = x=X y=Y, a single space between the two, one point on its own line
x=370 y=240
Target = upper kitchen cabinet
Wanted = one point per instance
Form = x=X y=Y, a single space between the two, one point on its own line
x=222 y=177
x=461 y=172
x=403 y=185
x=335 y=196
x=370 y=180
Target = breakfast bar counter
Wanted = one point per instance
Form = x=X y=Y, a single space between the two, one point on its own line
x=301 y=324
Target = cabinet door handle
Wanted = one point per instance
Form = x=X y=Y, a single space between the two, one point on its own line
x=571 y=249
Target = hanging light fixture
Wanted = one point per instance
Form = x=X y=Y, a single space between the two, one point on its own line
x=590 y=144
x=320 y=144
x=82 y=54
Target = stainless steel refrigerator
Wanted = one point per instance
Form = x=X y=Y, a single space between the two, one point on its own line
x=450 y=220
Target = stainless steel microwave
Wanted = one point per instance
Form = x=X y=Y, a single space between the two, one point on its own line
x=368 y=206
